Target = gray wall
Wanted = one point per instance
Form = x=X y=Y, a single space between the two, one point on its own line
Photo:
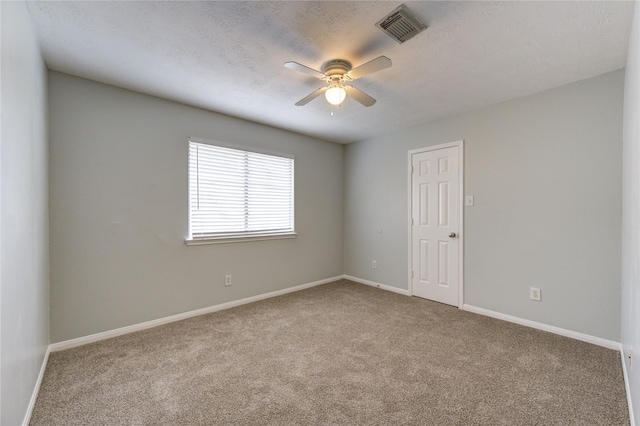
x=631 y=212
x=545 y=171
x=24 y=253
x=118 y=187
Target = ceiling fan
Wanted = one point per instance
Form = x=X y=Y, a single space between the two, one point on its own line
x=336 y=73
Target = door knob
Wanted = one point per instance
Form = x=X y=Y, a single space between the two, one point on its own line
x=452 y=235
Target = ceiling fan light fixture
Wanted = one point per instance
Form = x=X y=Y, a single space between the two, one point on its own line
x=336 y=73
x=335 y=95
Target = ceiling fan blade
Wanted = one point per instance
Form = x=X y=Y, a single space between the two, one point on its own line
x=312 y=96
x=370 y=67
x=303 y=69
x=360 y=96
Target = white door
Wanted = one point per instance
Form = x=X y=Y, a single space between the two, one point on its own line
x=436 y=204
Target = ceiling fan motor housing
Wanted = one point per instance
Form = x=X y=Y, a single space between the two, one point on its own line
x=336 y=67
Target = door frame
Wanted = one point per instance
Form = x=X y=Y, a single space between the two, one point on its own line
x=460 y=145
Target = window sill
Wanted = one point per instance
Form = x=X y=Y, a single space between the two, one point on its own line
x=239 y=239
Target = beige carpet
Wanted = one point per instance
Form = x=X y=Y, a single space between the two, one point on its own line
x=341 y=353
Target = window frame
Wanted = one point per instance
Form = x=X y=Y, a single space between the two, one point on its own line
x=238 y=237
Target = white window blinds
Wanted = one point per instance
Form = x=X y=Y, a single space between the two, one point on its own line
x=235 y=193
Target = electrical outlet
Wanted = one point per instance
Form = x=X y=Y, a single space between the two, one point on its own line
x=534 y=293
x=374 y=264
x=227 y=280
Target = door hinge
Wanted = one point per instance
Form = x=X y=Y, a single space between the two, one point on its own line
x=411 y=221
x=411 y=274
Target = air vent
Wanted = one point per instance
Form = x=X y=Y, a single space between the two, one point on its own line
x=401 y=24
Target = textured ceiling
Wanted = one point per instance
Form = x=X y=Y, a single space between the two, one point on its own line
x=228 y=56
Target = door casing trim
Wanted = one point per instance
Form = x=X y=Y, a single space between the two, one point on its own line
x=410 y=153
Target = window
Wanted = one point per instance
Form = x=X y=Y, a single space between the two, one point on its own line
x=237 y=195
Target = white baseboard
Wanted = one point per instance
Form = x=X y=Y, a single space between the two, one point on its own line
x=378 y=285
x=36 y=389
x=67 y=344
x=544 y=327
x=626 y=384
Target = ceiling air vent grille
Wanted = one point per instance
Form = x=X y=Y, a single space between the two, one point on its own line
x=401 y=24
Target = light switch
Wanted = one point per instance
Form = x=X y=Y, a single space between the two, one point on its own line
x=468 y=200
